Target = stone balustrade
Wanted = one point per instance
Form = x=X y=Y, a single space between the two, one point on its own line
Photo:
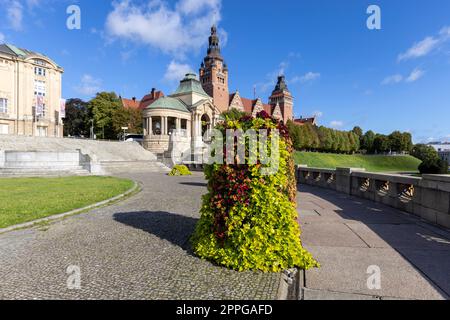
x=427 y=197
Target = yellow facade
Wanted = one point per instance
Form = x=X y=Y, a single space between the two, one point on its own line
x=24 y=76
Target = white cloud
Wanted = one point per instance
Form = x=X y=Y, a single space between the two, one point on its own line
x=2 y=38
x=420 y=49
x=427 y=45
x=175 y=30
x=196 y=6
x=15 y=14
x=89 y=85
x=176 y=71
x=336 y=124
x=396 y=78
x=415 y=75
x=310 y=76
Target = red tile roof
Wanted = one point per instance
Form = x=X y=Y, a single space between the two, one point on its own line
x=303 y=121
x=150 y=98
x=131 y=103
x=249 y=105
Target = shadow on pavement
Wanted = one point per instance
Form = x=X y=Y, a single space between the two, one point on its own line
x=194 y=184
x=172 y=227
x=424 y=246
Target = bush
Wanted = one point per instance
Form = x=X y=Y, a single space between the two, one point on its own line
x=180 y=170
x=249 y=220
x=433 y=165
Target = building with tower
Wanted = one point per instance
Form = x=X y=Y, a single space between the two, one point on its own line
x=182 y=118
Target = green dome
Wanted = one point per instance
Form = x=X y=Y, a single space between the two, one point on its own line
x=190 y=84
x=168 y=103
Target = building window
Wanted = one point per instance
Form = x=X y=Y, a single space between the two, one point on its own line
x=4 y=128
x=39 y=88
x=39 y=71
x=3 y=105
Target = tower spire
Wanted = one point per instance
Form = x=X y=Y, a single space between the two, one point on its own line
x=214 y=73
x=214 y=43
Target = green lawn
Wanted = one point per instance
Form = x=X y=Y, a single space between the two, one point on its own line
x=28 y=199
x=369 y=162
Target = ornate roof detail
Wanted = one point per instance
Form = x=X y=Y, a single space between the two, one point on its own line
x=189 y=85
x=214 y=43
x=281 y=85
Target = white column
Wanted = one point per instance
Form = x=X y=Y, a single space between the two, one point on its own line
x=150 y=126
x=166 y=129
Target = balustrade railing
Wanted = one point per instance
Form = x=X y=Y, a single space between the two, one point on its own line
x=427 y=197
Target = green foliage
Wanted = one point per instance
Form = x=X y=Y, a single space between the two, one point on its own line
x=180 y=170
x=103 y=107
x=76 y=121
x=423 y=151
x=368 y=141
x=309 y=137
x=381 y=144
x=373 y=163
x=312 y=138
x=431 y=162
x=127 y=117
x=249 y=220
x=434 y=166
x=232 y=114
x=358 y=131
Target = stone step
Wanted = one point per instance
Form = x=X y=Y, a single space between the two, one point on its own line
x=23 y=172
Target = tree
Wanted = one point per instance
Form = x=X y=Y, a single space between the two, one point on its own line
x=76 y=121
x=358 y=131
x=396 y=141
x=423 y=151
x=407 y=143
x=103 y=107
x=127 y=117
x=433 y=165
x=381 y=143
x=368 y=141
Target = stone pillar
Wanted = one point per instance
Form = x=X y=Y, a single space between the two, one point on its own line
x=166 y=129
x=344 y=179
x=150 y=126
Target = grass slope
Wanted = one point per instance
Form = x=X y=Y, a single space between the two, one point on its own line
x=371 y=163
x=28 y=199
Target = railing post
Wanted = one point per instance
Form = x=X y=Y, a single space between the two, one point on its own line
x=344 y=179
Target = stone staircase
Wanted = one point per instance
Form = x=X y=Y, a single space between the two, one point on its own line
x=43 y=172
x=37 y=156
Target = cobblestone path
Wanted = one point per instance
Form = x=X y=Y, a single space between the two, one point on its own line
x=136 y=249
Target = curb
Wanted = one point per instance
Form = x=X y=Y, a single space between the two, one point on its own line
x=291 y=285
x=69 y=213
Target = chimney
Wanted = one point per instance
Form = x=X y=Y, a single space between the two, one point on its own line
x=134 y=99
x=153 y=93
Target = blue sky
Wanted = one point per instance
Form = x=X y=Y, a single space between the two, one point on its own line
x=396 y=78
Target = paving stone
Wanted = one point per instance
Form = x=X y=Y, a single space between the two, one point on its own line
x=136 y=249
